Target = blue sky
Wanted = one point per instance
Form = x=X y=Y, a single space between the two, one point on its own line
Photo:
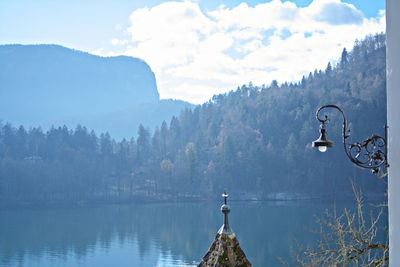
x=221 y=44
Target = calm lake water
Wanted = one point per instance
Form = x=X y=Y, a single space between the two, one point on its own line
x=171 y=234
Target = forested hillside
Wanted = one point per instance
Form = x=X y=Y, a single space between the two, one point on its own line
x=254 y=141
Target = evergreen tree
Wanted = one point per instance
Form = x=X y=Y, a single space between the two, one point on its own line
x=344 y=60
x=143 y=144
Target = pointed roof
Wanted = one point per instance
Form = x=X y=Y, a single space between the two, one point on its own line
x=225 y=251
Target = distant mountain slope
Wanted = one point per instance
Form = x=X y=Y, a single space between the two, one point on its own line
x=124 y=122
x=50 y=84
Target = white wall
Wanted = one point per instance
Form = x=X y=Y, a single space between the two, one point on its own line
x=393 y=116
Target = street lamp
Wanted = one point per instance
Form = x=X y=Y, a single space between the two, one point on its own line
x=322 y=143
x=369 y=154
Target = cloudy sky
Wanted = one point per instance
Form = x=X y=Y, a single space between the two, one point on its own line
x=204 y=47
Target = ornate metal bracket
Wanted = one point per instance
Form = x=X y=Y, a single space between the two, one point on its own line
x=369 y=154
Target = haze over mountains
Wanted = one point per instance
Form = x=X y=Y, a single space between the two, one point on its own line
x=254 y=142
x=45 y=85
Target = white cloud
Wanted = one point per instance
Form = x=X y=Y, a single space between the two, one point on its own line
x=335 y=12
x=103 y=52
x=116 y=41
x=196 y=53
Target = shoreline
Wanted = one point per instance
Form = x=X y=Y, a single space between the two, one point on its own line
x=93 y=202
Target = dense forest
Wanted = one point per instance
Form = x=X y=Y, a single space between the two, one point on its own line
x=254 y=141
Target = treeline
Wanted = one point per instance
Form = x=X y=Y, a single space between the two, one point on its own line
x=254 y=141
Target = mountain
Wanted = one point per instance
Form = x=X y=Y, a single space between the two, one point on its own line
x=255 y=142
x=44 y=85
x=123 y=123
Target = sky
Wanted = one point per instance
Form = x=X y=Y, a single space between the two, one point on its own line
x=200 y=48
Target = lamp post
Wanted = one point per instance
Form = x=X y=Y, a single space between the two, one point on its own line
x=369 y=154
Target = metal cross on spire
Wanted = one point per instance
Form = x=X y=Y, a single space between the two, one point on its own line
x=225 y=196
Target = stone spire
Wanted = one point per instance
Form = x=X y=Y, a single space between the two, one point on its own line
x=225 y=251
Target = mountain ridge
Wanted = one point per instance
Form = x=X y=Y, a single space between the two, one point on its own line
x=52 y=84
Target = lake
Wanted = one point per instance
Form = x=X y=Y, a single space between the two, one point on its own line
x=148 y=235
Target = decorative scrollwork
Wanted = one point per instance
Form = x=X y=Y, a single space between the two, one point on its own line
x=369 y=154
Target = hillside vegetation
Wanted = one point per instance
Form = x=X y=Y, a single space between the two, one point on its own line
x=254 y=141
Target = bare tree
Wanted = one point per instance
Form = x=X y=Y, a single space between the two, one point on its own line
x=348 y=239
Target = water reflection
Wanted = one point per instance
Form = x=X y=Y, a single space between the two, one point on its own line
x=150 y=234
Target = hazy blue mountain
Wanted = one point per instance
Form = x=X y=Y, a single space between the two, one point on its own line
x=44 y=85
